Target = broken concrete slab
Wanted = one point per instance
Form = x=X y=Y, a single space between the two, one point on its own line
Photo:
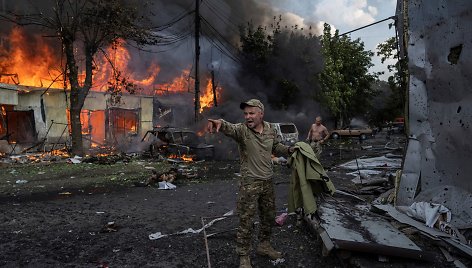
x=356 y=230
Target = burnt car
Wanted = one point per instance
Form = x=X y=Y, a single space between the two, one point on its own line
x=286 y=132
x=179 y=142
x=352 y=131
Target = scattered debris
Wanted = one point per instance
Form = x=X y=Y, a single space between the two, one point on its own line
x=21 y=181
x=165 y=179
x=430 y=213
x=392 y=146
x=381 y=162
x=279 y=160
x=163 y=185
x=178 y=144
x=109 y=227
x=385 y=198
x=277 y=261
x=431 y=232
x=107 y=159
x=370 y=181
x=159 y=235
x=280 y=220
x=364 y=232
x=75 y=160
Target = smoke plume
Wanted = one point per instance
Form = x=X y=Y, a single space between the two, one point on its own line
x=220 y=19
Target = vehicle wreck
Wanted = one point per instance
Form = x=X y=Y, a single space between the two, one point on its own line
x=178 y=143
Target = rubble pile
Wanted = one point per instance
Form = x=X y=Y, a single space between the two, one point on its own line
x=364 y=213
x=107 y=159
x=165 y=179
x=55 y=155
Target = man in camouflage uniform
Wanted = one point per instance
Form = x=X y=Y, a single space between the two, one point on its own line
x=257 y=141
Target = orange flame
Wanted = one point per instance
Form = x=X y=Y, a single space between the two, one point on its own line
x=39 y=65
x=184 y=157
x=180 y=84
x=29 y=65
x=60 y=152
x=120 y=57
x=207 y=97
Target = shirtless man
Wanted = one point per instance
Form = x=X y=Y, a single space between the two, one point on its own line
x=317 y=135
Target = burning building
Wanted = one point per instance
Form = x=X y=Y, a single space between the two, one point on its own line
x=35 y=100
x=37 y=117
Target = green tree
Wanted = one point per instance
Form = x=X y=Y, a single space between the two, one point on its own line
x=256 y=46
x=345 y=81
x=84 y=27
x=396 y=81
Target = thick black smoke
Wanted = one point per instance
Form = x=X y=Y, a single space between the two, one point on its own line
x=220 y=18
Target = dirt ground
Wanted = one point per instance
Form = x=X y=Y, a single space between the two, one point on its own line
x=58 y=214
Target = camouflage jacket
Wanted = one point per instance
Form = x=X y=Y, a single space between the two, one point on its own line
x=255 y=149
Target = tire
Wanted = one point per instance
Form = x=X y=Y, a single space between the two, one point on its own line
x=362 y=137
x=335 y=136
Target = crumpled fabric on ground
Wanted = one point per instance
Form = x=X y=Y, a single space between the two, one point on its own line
x=428 y=212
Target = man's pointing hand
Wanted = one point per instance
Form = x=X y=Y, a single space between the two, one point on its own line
x=213 y=125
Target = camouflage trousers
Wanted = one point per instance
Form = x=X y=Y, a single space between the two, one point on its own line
x=254 y=195
x=316 y=146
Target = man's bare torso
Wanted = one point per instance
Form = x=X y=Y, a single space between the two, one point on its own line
x=317 y=132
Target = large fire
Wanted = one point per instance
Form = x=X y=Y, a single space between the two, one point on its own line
x=31 y=65
x=40 y=65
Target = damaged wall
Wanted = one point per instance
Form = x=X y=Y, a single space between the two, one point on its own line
x=101 y=101
x=8 y=94
x=53 y=106
x=439 y=49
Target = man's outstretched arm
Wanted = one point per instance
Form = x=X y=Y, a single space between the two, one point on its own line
x=219 y=125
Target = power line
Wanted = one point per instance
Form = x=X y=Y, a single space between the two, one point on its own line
x=233 y=27
x=173 y=21
x=221 y=47
x=178 y=44
x=368 y=25
x=220 y=10
x=219 y=36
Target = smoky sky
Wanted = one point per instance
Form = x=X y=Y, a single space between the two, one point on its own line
x=224 y=17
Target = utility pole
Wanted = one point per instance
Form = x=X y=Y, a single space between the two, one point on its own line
x=197 y=59
x=213 y=85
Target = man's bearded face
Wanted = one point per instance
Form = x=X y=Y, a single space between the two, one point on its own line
x=253 y=116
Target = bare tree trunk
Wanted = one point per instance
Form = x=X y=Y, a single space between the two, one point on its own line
x=75 y=108
x=76 y=129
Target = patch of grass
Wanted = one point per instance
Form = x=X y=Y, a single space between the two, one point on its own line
x=54 y=176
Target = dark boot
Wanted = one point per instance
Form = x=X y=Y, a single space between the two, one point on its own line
x=244 y=261
x=265 y=249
